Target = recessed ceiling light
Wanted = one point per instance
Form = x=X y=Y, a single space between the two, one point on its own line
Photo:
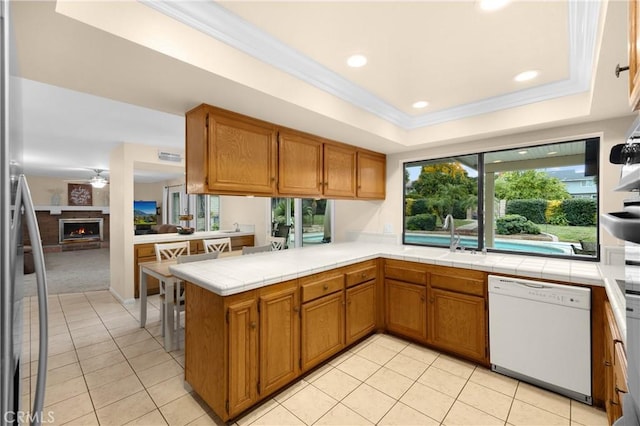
x=497 y=161
x=552 y=152
x=420 y=104
x=491 y=5
x=526 y=75
x=357 y=61
x=522 y=152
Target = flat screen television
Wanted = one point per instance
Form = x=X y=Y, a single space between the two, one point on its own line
x=144 y=213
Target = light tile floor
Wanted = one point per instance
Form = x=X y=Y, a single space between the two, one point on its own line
x=104 y=369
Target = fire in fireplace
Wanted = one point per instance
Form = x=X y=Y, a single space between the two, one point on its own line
x=80 y=230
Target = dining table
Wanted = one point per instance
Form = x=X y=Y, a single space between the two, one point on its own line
x=160 y=271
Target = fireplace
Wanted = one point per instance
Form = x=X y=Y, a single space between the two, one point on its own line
x=83 y=229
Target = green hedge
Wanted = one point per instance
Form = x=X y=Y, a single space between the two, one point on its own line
x=580 y=211
x=531 y=209
x=515 y=224
x=421 y=222
x=420 y=206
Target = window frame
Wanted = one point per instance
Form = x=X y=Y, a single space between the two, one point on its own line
x=481 y=198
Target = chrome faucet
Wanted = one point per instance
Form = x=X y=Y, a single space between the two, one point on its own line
x=237 y=227
x=455 y=239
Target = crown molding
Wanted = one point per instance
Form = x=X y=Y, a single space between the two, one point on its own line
x=214 y=20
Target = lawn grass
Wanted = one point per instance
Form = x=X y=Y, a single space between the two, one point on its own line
x=571 y=234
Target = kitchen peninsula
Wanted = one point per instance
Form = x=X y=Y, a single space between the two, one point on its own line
x=144 y=249
x=256 y=323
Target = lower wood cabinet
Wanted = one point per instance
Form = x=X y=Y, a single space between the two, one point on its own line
x=406 y=312
x=242 y=323
x=615 y=366
x=360 y=311
x=457 y=323
x=279 y=353
x=322 y=329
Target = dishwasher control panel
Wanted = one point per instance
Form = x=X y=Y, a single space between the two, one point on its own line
x=558 y=294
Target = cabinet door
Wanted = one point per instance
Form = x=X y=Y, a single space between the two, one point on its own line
x=242 y=366
x=322 y=326
x=339 y=171
x=241 y=155
x=299 y=165
x=406 y=312
x=279 y=337
x=371 y=176
x=360 y=311
x=457 y=323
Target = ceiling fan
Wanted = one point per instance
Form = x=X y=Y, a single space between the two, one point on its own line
x=97 y=181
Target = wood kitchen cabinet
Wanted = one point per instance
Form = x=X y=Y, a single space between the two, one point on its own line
x=615 y=366
x=312 y=167
x=371 y=176
x=634 y=55
x=279 y=308
x=405 y=299
x=361 y=301
x=457 y=313
x=322 y=317
x=229 y=153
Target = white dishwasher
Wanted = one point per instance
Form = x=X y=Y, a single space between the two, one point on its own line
x=541 y=333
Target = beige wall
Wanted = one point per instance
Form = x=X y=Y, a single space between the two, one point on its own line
x=43 y=187
x=123 y=161
x=247 y=211
x=373 y=217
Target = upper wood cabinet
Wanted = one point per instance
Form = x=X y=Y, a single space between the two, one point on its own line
x=299 y=165
x=229 y=153
x=371 y=176
x=634 y=55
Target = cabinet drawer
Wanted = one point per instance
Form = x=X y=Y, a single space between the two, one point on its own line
x=405 y=271
x=361 y=275
x=458 y=284
x=146 y=250
x=321 y=287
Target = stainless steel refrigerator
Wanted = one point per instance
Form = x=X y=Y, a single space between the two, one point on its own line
x=16 y=211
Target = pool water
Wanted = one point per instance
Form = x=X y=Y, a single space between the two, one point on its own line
x=471 y=242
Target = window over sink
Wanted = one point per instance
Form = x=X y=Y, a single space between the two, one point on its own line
x=538 y=200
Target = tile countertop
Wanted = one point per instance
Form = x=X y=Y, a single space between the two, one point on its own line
x=174 y=236
x=237 y=274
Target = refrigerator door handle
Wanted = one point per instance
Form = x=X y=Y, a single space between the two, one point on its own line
x=23 y=199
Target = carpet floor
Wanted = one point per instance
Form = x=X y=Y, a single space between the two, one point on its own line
x=73 y=272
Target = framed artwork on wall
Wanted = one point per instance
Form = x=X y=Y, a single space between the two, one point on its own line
x=79 y=194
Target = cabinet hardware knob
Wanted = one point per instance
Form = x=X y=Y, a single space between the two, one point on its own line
x=620 y=69
x=431 y=300
x=364 y=275
x=296 y=309
x=607 y=364
x=325 y=287
x=253 y=324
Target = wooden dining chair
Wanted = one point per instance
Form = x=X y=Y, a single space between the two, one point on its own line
x=277 y=243
x=217 y=244
x=256 y=249
x=198 y=257
x=170 y=251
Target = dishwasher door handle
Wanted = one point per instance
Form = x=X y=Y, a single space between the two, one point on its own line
x=530 y=285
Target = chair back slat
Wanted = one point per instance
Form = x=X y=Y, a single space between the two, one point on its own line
x=167 y=251
x=277 y=243
x=217 y=244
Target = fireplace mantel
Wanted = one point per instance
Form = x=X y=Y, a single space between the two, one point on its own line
x=55 y=210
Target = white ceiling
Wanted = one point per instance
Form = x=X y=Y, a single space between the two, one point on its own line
x=96 y=74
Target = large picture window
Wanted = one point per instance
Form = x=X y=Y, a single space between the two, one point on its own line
x=539 y=200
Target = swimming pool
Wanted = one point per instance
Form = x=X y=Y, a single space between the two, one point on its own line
x=472 y=242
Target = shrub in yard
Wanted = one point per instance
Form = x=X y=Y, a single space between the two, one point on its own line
x=515 y=224
x=554 y=214
x=532 y=209
x=420 y=206
x=421 y=222
x=580 y=211
x=408 y=207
